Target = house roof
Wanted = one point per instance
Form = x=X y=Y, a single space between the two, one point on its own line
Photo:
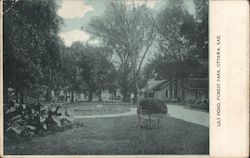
x=197 y=83
x=191 y=83
x=155 y=84
x=161 y=85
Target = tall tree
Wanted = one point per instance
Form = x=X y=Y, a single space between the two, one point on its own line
x=130 y=32
x=89 y=69
x=182 y=43
x=201 y=13
x=176 y=30
x=29 y=43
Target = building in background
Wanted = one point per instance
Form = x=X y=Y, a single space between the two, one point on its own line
x=191 y=90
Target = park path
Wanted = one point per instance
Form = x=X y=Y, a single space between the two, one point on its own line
x=189 y=115
x=176 y=111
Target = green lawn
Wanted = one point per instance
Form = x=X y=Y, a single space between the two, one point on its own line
x=119 y=135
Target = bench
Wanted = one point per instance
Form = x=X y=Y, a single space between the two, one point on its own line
x=146 y=116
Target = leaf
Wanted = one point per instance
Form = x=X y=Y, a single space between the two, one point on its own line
x=42 y=119
x=70 y=119
x=16 y=129
x=16 y=118
x=32 y=111
x=9 y=128
x=24 y=106
x=57 y=120
x=45 y=126
x=31 y=127
x=16 y=105
x=12 y=109
x=26 y=116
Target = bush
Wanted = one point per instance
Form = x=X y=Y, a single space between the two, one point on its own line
x=154 y=106
x=22 y=121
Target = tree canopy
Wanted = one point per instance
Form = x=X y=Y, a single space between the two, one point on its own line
x=31 y=45
x=35 y=57
x=130 y=32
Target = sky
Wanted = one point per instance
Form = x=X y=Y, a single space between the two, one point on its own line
x=76 y=15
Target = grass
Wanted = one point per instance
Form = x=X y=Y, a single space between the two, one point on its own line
x=119 y=135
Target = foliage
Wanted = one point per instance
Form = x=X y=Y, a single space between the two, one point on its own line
x=153 y=105
x=23 y=121
x=201 y=38
x=35 y=59
x=174 y=48
x=31 y=44
x=88 y=69
x=130 y=33
x=183 y=41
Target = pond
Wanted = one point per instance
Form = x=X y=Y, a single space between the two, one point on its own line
x=96 y=111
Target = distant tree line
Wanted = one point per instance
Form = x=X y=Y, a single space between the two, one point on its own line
x=35 y=58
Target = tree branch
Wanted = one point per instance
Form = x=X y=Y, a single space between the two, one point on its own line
x=146 y=50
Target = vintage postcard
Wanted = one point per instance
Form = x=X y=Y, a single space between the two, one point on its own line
x=125 y=78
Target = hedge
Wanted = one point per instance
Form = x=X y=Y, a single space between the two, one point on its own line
x=154 y=105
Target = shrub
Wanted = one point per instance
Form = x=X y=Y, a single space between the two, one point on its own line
x=22 y=121
x=154 y=106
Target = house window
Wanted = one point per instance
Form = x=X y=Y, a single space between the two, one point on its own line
x=145 y=95
x=151 y=94
x=166 y=93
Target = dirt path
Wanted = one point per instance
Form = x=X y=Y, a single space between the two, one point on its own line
x=176 y=111
x=189 y=115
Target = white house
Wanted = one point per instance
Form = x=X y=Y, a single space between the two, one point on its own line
x=195 y=89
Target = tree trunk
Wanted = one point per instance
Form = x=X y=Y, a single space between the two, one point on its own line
x=136 y=78
x=76 y=96
x=176 y=87
x=137 y=94
x=100 y=95
x=183 y=89
x=171 y=89
x=72 y=97
x=125 y=90
x=125 y=97
x=66 y=97
x=124 y=82
x=90 y=96
x=135 y=99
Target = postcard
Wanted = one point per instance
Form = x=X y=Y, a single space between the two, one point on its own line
x=125 y=78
